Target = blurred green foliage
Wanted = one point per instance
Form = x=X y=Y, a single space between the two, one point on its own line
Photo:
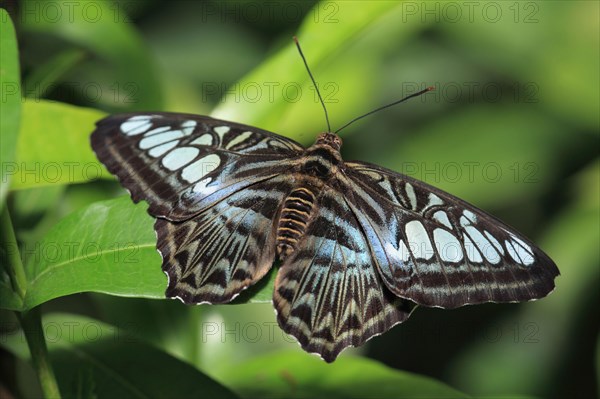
x=512 y=127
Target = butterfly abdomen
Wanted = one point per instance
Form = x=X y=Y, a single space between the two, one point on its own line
x=294 y=218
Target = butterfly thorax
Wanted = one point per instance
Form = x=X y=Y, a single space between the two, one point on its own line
x=320 y=162
x=323 y=158
x=330 y=139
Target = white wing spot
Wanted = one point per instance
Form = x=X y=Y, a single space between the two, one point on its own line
x=494 y=242
x=221 y=130
x=470 y=215
x=401 y=252
x=273 y=143
x=472 y=252
x=434 y=200
x=179 y=157
x=137 y=124
x=201 y=185
x=448 y=246
x=522 y=244
x=161 y=149
x=519 y=253
x=371 y=174
x=512 y=252
x=385 y=184
x=442 y=217
x=205 y=139
x=464 y=222
x=410 y=192
x=157 y=139
x=485 y=247
x=418 y=240
x=200 y=168
x=240 y=138
x=491 y=254
x=188 y=127
x=157 y=130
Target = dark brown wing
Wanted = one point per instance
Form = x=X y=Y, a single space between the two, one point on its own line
x=437 y=250
x=181 y=164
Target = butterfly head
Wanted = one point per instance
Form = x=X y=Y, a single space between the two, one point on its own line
x=331 y=139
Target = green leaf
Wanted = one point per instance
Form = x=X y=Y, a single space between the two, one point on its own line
x=108 y=247
x=54 y=145
x=10 y=109
x=298 y=375
x=122 y=67
x=93 y=359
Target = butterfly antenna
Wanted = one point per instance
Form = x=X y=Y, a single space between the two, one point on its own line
x=314 y=83
x=386 y=106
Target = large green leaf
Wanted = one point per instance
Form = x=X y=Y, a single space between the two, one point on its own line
x=93 y=359
x=108 y=247
x=122 y=67
x=298 y=375
x=54 y=145
x=10 y=103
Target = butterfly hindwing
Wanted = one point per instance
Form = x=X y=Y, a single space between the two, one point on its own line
x=438 y=250
x=181 y=164
x=221 y=251
x=328 y=293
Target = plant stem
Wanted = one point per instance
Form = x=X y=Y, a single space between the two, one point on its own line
x=31 y=323
x=14 y=265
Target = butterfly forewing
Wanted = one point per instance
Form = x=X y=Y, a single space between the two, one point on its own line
x=437 y=250
x=181 y=164
x=328 y=294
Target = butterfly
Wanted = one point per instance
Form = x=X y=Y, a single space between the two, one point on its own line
x=359 y=246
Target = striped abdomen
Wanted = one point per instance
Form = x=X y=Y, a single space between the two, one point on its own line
x=294 y=218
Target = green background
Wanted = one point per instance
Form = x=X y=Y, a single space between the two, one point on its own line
x=512 y=127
